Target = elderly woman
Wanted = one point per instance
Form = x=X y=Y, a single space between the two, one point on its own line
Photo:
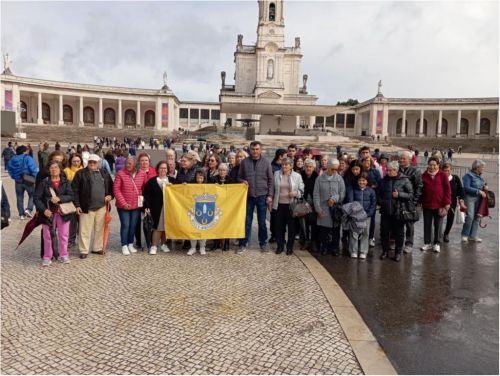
x=435 y=200
x=153 y=204
x=474 y=189
x=288 y=187
x=395 y=192
x=187 y=169
x=222 y=178
x=308 y=223
x=50 y=192
x=457 y=195
x=329 y=190
x=127 y=189
x=75 y=163
x=233 y=172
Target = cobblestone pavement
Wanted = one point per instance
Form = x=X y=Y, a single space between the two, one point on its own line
x=219 y=314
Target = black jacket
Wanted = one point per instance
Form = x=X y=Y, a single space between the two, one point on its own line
x=81 y=187
x=457 y=190
x=400 y=183
x=153 y=200
x=309 y=185
x=42 y=197
x=185 y=176
x=216 y=180
x=415 y=177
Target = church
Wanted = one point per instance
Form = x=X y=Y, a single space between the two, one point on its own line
x=269 y=93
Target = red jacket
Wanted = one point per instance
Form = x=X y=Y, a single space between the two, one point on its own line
x=151 y=173
x=124 y=190
x=436 y=192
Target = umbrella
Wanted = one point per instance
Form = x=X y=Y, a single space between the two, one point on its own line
x=147 y=226
x=53 y=237
x=28 y=229
x=315 y=152
x=107 y=220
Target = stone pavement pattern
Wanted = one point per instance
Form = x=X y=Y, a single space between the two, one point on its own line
x=169 y=313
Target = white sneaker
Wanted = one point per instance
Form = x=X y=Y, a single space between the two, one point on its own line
x=202 y=251
x=475 y=239
x=426 y=247
x=28 y=213
x=362 y=256
x=191 y=252
x=354 y=255
x=131 y=248
x=125 y=251
x=22 y=217
x=372 y=243
x=436 y=248
x=465 y=239
x=407 y=249
x=153 y=250
x=46 y=262
x=165 y=248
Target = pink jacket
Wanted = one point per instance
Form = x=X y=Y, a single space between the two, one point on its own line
x=124 y=190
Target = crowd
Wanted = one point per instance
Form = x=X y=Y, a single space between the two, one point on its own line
x=327 y=202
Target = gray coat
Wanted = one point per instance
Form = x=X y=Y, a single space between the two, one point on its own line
x=296 y=183
x=327 y=187
x=258 y=175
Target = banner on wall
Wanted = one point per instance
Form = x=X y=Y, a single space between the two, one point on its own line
x=205 y=211
x=164 y=115
x=8 y=100
x=380 y=122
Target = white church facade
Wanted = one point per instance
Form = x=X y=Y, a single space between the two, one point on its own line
x=268 y=93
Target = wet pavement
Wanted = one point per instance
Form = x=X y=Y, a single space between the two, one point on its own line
x=431 y=313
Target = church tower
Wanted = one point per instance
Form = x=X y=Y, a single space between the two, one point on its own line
x=271 y=27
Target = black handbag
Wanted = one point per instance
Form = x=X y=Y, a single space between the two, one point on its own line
x=28 y=179
x=301 y=209
x=490 y=199
x=406 y=211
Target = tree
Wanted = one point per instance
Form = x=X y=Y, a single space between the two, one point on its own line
x=349 y=102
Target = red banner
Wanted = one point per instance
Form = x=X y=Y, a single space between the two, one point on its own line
x=380 y=122
x=164 y=115
x=8 y=100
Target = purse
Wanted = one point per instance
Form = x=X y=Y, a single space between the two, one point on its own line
x=301 y=209
x=406 y=212
x=65 y=208
x=442 y=212
x=28 y=179
x=460 y=217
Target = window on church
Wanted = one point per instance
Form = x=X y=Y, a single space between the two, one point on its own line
x=272 y=12
x=215 y=114
x=350 y=120
x=183 y=113
x=484 y=126
x=340 y=120
x=330 y=121
x=194 y=113
x=205 y=114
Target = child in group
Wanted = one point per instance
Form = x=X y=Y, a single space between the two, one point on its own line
x=358 y=242
x=199 y=177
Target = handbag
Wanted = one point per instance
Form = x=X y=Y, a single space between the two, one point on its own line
x=442 y=212
x=490 y=197
x=406 y=212
x=65 y=208
x=28 y=179
x=459 y=217
x=301 y=209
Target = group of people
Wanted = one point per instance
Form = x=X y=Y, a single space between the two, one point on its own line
x=341 y=194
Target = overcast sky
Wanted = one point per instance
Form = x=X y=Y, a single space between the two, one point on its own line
x=417 y=49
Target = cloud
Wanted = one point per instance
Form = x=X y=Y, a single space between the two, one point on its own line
x=418 y=49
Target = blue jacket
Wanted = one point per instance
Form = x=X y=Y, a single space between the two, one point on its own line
x=374 y=177
x=473 y=183
x=366 y=197
x=21 y=164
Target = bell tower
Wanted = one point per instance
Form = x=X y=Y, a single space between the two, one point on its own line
x=271 y=27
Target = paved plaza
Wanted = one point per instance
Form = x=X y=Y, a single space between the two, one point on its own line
x=169 y=313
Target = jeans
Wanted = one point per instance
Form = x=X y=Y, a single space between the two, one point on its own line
x=20 y=189
x=260 y=203
x=62 y=229
x=284 y=222
x=358 y=242
x=390 y=225
x=329 y=239
x=128 y=222
x=430 y=216
x=471 y=223
x=409 y=233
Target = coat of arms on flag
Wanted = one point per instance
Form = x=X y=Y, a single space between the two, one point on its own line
x=205 y=214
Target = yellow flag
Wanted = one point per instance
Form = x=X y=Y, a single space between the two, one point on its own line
x=205 y=211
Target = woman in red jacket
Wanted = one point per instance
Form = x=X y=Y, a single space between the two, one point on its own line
x=435 y=200
x=127 y=189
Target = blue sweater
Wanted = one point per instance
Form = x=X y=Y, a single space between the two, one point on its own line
x=21 y=164
x=366 y=197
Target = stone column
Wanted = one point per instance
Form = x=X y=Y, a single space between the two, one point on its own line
x=189 y=118
x=498 y=119
x=16 y=103
x=345 y=123
x=120 y=115
x=478 y=122
x=312 y=120
x=80 y=109
x=440 y=123
x=335 y=121
x=158 y=114
x=223 y=118
x=421 y=130
x=101 y=123
x=459 y=117
x=39 y=119
x=403 y=125
x=138 y=115
x=61 y=112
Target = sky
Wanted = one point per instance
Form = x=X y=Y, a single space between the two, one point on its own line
x=418 y=49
